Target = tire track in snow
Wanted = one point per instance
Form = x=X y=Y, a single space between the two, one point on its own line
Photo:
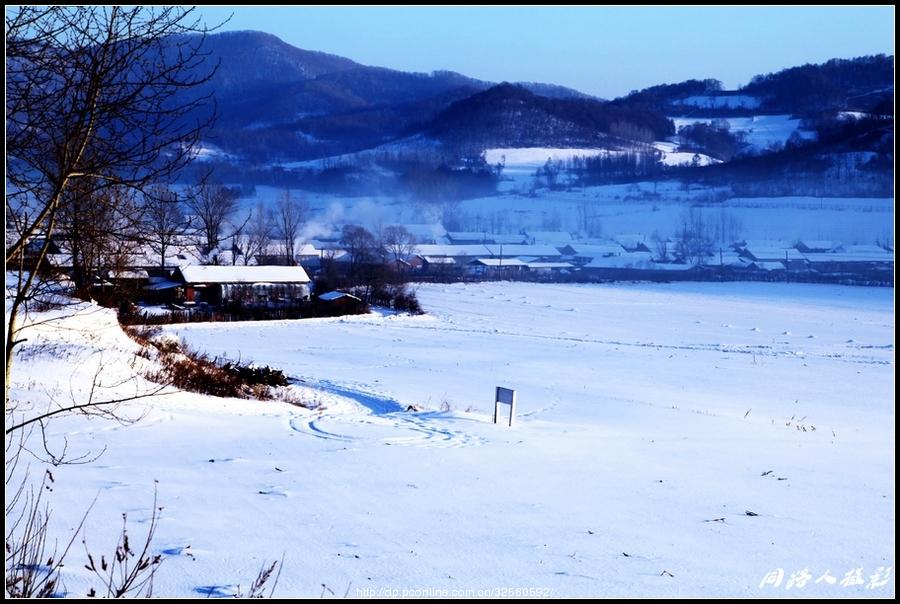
x=387 y=422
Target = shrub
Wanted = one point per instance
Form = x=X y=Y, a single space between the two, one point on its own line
x=408 y=302
x=143 y=334
x=253 y=375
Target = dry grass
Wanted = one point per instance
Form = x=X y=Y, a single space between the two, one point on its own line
x=194 y=371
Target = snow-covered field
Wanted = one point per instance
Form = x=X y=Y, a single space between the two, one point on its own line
x=671 y=157
x=760 y=131
x=651 y=420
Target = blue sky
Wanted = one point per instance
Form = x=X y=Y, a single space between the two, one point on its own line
x=606 y=51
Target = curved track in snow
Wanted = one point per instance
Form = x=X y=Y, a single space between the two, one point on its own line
x=387 y=422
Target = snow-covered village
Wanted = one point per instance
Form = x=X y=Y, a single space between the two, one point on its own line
x=449 y=302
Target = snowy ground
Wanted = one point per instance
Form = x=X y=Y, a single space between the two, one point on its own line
x=760 y=131
x=651 y=419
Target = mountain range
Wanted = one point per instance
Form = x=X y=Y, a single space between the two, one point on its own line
x=278 y=104
x=276 y=101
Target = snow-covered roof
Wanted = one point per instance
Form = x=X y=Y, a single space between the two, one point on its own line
x=521 y=250
x=325 y=244
x=765 y=244
x=500 y=262
x=59 y=260
x=775 y=254
x=769 y=266
x=635 y=260
x=438 y=260
x=475 y=249
x=336 y=295
x=177 y=254
x=864 y=249
x=484 y=237
x=507 y=239
x=244 y=274
x=818 y=244
x=469 y=236
x=727 y=258
x=490 y=250
x=826 y=257
x=307 y=249
x=595 y=250
x=161 y=285
x=549 y=265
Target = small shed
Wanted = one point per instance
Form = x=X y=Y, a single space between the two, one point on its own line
x=337 y=303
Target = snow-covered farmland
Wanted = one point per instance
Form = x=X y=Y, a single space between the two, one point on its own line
x=651 y=420
x=520 y=164
x=671 y=157
x=760 y=131
x=536 y=157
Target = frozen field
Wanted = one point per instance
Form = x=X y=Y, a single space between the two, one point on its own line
x=652 y=419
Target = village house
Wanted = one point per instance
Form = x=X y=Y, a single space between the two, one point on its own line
x=869 y=264
x=790 y=258
x=242 y=286
x=583 y=253
x=495 y=267
x=468 y=238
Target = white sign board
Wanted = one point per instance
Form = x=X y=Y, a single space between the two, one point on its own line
x=505 y=396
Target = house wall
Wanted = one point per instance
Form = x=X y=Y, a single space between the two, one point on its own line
x=269 y=295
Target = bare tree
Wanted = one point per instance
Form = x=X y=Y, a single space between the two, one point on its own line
x=289 y=217
x=399 y=243
x=661 y=246
x=360 y=245
x=726 y=227
x=258 y=233
x=98 y=229
x=450 y=214
x=213 y=206
x=93 y=93
x=100 y=103
x=164 y=221
x=693 y=242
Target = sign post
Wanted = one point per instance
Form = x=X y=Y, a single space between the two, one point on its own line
x=506 y=396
